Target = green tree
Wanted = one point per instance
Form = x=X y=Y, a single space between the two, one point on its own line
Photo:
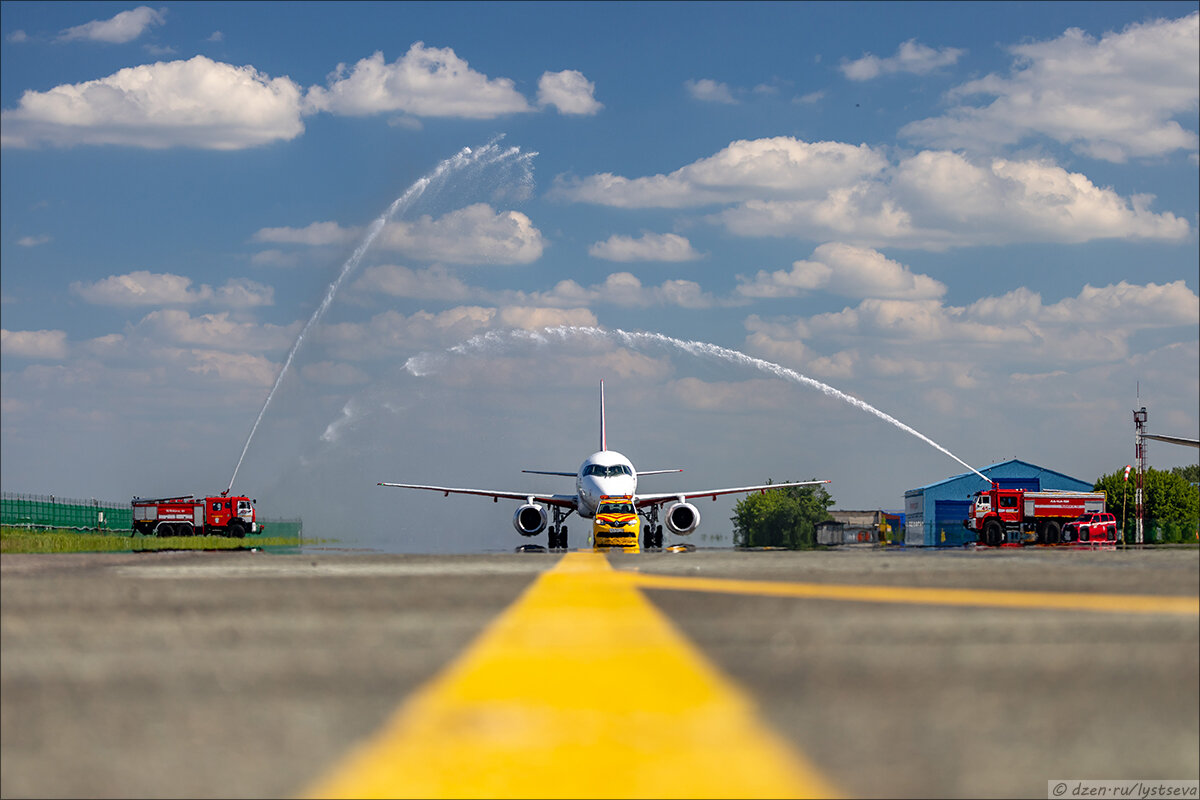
x=1190 y=473
x=785 y=517
x=1172 y=503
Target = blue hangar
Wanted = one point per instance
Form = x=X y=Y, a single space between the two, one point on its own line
x=934 y=514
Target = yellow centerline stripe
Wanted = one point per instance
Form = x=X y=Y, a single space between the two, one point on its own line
x=580 y=689
x=916 y=595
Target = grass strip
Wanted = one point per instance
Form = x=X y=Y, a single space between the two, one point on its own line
x=27 y=540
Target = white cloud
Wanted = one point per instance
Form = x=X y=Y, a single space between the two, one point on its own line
x=912 y=57
x=124 y=27
x=433 y=283
x=197 y=103
x=619 y=288
x=937 y=200
x=568 y=91
x=710 y=91
x=243 y=293
x=215 y=331
x=425 y=82
x=534 y=317
x=746 y=169
x=647 y=247
x=845 y=270
x=927 y=340
x=234 y=367
x=34 y=344
x=477 y=234
x=932 y=199
x=143 y=288
x=1115 y=98
x=625 y=290
x=32 y=241
x=315 y=234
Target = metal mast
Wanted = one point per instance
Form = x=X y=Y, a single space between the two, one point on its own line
x=1139 y=450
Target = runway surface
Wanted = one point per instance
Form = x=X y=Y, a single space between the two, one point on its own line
x=714 y=673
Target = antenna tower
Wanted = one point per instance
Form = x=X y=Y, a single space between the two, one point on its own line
x=1139 y=450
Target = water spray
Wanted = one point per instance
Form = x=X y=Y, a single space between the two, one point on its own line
x=490 y=153
x=425 y=363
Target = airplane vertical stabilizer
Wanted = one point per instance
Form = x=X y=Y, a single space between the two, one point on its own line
x=603 y=436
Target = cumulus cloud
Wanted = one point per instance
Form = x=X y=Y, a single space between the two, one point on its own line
x=647 y=247
x=912 y=57
x=234 y=367
x=619 y=288
x=931 y=199
x=710 y=91
x=477 y=234
x=845 y=270
x=124 y=27
x=425 y=82
x=315 y=234
x=1119 y=97
x=568 y=91
x=197 y=103
x=960 y=343
x=215 y=331
x=777 y=167
x=535 y=317
x=34 y=344
x=433 y=283
x=143 y=288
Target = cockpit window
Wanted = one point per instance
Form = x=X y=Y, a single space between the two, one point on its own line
x=601 y=471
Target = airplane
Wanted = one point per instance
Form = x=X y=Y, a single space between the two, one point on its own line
x=605 y=473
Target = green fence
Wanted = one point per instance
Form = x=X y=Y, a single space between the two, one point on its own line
x=48 y=511
x=274 y=528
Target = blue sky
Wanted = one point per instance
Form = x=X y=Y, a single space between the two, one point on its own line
x=979 y=218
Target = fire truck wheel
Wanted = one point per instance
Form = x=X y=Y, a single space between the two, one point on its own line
x=237 y=530
x=1053 y=532
x=993 y=533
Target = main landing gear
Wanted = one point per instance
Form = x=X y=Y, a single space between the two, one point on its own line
x=652 y=531
x=558 y=531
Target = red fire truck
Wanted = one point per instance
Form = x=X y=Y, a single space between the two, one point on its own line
x=188 y=515
x=1000 y=516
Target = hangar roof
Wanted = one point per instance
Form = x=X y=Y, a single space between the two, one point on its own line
x=999 y=466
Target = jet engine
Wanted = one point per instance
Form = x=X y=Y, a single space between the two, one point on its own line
x=683 y=518
x=530 y=519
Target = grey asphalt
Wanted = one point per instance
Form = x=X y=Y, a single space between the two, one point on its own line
x=250 y=674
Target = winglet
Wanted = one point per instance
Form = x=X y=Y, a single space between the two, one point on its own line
x=603 y=436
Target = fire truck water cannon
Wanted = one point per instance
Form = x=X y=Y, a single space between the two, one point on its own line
x=188 y=515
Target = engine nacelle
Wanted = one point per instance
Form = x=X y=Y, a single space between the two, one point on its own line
x=683 y=518
x=530 y=519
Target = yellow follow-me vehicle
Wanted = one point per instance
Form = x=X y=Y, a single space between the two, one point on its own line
x=616 y=524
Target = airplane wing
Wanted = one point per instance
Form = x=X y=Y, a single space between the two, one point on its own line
x=1173 y=439
x=565 y=500
x=642 y=500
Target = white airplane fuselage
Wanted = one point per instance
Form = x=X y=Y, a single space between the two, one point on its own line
x=605 y=472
